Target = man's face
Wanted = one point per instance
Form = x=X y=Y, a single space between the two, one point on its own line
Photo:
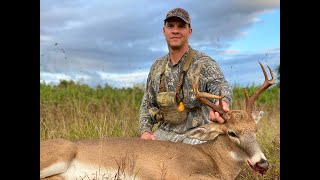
x=177 y=33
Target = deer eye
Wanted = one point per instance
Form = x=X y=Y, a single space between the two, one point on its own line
x=232 y=134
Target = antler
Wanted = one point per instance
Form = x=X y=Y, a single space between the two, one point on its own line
x=202 y=96
x=267 y=83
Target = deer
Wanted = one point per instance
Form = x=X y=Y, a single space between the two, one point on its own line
x=227 y=147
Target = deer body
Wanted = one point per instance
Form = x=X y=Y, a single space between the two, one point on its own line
x=151 y=160
x=228 y=146
x=134 y=158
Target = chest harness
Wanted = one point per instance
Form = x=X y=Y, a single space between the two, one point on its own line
x=171 y=108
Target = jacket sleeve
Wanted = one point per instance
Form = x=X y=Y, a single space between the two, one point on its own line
x=148 y=101
x=215 y=77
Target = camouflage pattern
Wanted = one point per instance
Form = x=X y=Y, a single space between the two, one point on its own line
x=210 y=79
x=180 y=13
x=169 y=109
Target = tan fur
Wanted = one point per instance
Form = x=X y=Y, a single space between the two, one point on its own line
x=228 y=147
x=147 y=159
x=52 y=151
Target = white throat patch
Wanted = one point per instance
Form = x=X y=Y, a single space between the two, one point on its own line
x=235 y=156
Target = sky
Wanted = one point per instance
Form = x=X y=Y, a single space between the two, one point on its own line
x=113 y=42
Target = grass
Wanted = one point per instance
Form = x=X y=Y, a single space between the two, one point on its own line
x=73 y=111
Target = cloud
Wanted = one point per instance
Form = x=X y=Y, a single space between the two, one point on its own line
x=244 y=69
x=123 y=38
x=230 y=51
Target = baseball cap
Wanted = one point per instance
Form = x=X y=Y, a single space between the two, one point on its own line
x=180 y=13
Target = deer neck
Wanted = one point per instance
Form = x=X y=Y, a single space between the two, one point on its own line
x=228 y=157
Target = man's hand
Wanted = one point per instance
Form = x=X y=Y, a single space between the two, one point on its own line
x=148 y=136
x=215 y=116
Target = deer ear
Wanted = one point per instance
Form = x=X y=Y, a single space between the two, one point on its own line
x=205 y=132
x=257 y=115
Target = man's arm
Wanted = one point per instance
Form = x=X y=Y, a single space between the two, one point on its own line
x=145 y=120
x=215 y=79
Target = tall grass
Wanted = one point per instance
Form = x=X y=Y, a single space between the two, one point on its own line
x=74 y=111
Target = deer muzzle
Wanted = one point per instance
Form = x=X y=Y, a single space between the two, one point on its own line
x=260 y=167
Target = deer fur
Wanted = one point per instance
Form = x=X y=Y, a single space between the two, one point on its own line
x=228 y=146
x=221 y=157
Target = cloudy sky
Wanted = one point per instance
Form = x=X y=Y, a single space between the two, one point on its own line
x=115 y=42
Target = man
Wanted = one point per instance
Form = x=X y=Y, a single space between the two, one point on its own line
x=169 y=98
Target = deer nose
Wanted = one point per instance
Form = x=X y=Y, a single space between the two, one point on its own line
x=263 y=164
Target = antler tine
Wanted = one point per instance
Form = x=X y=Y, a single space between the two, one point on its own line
x=220 y=100
x=202 y=96
x=266 y=84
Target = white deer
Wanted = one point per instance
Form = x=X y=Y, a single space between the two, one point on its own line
x=228 y=146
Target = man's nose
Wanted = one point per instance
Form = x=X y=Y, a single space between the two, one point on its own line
x=175 y=31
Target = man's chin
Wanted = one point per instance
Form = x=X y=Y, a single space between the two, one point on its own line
x=175 y=46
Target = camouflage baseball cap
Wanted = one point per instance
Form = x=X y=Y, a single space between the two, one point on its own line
x=180 y=13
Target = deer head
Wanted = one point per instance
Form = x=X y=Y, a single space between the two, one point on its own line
x=240 y=125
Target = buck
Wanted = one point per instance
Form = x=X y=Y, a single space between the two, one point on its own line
x=227 y=147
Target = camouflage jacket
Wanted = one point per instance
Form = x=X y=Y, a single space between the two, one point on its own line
x=210 y=79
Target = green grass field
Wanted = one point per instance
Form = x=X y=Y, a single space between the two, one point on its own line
x=73 y=111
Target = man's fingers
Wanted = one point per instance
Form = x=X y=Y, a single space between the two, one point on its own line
x=148 y=136
x=153 y=137
x=218 y=117
x=215 y=117
x=211 y=115
x=225 y=106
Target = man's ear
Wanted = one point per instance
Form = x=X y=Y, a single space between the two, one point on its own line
x=206 y=132
x=257 y=115
x=190 y=31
